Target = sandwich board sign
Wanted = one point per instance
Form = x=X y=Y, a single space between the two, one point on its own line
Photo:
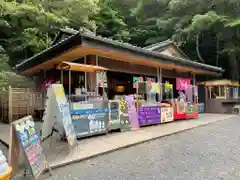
x=25 y=141
x=57 y=111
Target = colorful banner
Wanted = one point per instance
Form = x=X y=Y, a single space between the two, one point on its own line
x=182 y=83
x=132 y=112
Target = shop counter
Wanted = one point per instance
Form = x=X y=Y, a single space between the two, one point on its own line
x=114 y=115
x=184 y=110
x=179 y=109
x=89 y=118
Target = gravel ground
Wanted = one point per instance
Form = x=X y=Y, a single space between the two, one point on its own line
x=205 y=153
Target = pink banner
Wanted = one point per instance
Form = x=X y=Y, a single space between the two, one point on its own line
x=182 y=84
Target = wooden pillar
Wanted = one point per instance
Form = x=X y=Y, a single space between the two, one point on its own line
x=194 y=85
x=61 y=77
x=161 y=85
x=10 y=108
x=69 y=83
x=96 y=76
x=85 y=73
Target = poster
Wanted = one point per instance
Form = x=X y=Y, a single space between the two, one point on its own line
x=166 y=114
x=30 y=145
x=149 y=115
x=124 y=116
x=137 y=79
x=182 y=83
x=63 y=113
x=102 y=79
x=132 y=112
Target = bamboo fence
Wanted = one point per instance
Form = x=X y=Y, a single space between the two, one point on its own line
x=16 y=103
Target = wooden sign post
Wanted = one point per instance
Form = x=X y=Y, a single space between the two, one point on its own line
x=24 y=140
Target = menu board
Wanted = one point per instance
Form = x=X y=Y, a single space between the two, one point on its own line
x=63 y=113
x=114 y=114
x=149 y=115
x=88 y=122
x=166 y=114
x=29 y=141
x=124 y=116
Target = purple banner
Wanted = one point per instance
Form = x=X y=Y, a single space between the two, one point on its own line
x=149 y=115
x=132 y=112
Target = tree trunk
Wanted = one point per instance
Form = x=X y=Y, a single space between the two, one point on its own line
x=233 y=64
x=197 y=49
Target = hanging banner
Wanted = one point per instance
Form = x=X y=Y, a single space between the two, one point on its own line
x=195 y=90
x=189 y=94
x=155 y=88
x=182 y=84
x=102 y=79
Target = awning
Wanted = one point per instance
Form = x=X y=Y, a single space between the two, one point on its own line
x=223 y=82
x=80 y=67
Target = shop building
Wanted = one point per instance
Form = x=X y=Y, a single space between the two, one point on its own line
x=126 y=67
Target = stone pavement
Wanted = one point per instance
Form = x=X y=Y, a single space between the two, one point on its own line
x=58 y=153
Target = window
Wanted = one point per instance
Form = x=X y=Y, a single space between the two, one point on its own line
x=218 y=92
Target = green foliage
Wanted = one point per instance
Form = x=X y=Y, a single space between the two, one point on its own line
x=27 y=27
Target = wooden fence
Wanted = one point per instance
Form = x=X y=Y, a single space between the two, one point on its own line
x=16 y=103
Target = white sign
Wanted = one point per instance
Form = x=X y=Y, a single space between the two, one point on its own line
x=57 y=110
x=166 y=114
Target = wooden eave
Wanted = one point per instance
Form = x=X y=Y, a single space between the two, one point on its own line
x=80 y=45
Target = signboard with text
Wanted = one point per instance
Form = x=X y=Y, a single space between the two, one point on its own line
x=149 y=115
x=166 y=114
x=63 y=113
x=90 y=118
x=29 y=144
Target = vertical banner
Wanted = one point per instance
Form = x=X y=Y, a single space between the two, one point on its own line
x=63 y=113
x=182 y=84
x=124 y=116
x=189 y=93
x=132 y=112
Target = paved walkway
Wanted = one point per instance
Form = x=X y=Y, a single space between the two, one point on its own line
x=59 y=154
